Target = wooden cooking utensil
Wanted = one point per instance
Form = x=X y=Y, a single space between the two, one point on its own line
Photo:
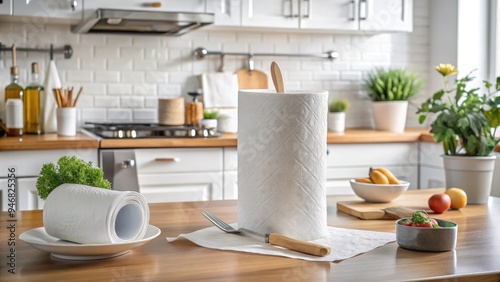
x=277 y=77
x=251 y=79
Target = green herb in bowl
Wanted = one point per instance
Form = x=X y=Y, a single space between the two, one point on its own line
x=69 y=170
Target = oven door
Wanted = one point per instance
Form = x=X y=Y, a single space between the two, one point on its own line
x=120 y=169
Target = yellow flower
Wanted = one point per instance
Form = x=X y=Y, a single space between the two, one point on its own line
x=446 y=69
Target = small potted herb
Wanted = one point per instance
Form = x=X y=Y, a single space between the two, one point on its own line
x=390 y=90
x=336 y=115
x=209 y=120
x=227 y=123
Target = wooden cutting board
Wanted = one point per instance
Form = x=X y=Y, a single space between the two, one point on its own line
x=404 y=206
x=251 y=79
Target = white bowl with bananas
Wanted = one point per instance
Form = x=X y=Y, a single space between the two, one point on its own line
x=380 y=187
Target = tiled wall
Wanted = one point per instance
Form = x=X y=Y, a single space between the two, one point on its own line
x=123 y=76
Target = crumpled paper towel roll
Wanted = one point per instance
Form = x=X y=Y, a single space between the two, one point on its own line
x=282 y=162
x=90 y=215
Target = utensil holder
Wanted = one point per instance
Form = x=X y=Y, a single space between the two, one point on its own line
x=66 y=121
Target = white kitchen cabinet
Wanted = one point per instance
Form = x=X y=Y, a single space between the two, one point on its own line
x=341 y=15
x=495 y=186
x=5 y=7
x=230 y=173
x=347 y=161
x=50 y=9
x=180 y=174
x=27 y=165
x=386 y=15
x=226 y=12
x=165 y=5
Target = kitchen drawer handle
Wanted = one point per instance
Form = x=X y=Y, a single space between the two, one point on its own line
x=352 y=8
x=308 y=9
x=127 y=164
x=363 y=8
x=403 y=10
x=167 y=159
x=74 y=4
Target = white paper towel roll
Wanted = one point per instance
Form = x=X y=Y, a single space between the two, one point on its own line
x=282 y=162
x=91 y=215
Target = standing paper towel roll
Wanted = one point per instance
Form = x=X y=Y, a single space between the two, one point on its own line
x=282 y=162
x=90 y=215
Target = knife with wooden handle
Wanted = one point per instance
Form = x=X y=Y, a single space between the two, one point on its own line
x=290 y=243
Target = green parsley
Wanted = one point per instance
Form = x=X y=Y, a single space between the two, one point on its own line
x=69 y=170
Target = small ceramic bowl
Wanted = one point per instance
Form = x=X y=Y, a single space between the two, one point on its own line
x=427 y=239
x=379 y=193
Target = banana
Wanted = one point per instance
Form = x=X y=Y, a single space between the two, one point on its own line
x=390 y=176
x=364 y=180
x=378 y=177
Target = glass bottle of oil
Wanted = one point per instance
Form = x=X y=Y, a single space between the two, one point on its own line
x=14 y=91
x=32 y=103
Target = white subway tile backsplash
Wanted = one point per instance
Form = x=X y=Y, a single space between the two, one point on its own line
x=150 y=41
x=122 y=64
x=156 y=77
x=351 y=75
x=83 y=52
x=151 y=102
x=131 y=52
x=326 y=75
x=169 y=90
x=145 y=114
x=118 y=40
x=107 y=76
x=120 y=115
x=79 y=76
x=132 y=102
x=93 y=114
x=90 y=64
x=132 y=76
x=92 y=39
x=145 y=65
x=106 y=52
x=106 y=102
x=94 y=89
x=144 y=90
x=119 y=89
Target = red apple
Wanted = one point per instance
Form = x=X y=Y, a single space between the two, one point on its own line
x=440 y=203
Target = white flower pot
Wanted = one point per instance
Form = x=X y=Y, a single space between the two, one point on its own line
x=474 y=175
x=390 y=115
x=336 y=122
x=228 y=125
x=209 y=123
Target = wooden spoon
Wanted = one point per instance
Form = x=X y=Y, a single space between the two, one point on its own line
x=277 y=77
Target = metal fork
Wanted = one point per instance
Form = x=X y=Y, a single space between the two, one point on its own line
x=272 y=238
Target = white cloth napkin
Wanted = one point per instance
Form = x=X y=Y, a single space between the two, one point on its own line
x=90 y=215
x=344 y=243
x=52 y=81
x=219 y=89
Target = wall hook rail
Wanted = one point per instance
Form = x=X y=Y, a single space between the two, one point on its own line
x=66 y=50
x=200 y=53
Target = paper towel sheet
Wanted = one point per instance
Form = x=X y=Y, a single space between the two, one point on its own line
x=52 y=81
x=90 y=215
x=282 y=162
x=219 y=89
x=344 y=243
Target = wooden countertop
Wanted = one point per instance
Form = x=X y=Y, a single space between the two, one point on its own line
x=47 y=141
x=477 y=253
x=230 y=140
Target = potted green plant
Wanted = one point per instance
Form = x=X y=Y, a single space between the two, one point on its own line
x=465 y=123
x=209 y=119
x=336 y=115
x=390 y=90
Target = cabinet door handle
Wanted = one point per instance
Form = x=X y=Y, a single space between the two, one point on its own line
x=363 y=9
x=308 y=10
x=74 y=4
x=403 y=10
x=352 y=9
x=290 y=6
x=167 y=159
x=127 y=164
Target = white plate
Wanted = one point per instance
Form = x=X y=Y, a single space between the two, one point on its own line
x=39 y=239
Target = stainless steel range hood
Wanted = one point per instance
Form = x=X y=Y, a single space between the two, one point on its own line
x=142 y=22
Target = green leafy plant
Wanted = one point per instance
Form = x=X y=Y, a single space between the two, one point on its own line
x=466 y=118
x=392 y=84
x=69 y=170
x=338 y=105
x=210 y=114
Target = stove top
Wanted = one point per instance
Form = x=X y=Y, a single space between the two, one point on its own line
x=148 y=130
